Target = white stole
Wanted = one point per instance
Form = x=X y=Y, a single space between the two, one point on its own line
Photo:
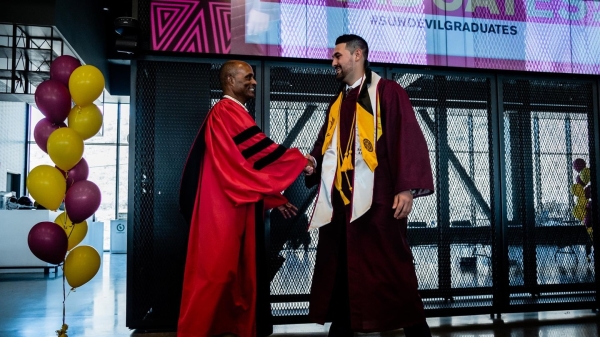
x=363 y=176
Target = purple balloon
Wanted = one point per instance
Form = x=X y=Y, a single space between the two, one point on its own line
x=48 y=242
x=578 y=164
x=42 y=131
x=579 y=181
x=82 y=200
x=62 y=68
x=79 y=172
x=587 y=221
x=588 y=191
x=53 y=100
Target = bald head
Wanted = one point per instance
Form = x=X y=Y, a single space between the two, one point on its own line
x=237 y=80
x=229 y=69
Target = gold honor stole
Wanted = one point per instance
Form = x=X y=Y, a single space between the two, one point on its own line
x=368 y=129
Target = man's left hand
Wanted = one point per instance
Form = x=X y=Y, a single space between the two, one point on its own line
x=287 y=210
x=403 y=203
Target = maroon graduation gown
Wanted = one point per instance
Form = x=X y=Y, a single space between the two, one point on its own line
x=231 y=167
x=381 y=276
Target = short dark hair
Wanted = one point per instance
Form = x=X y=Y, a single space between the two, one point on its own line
x=353 y=42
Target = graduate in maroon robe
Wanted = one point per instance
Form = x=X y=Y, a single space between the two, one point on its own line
x=232 y=167
x=372 y=160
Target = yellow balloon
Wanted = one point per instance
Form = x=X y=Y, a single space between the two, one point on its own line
x=75 y=232
x=577 y=190
x=579 y=211
x=85 y=120
x=85 y=84
x=65 y=147
x=584 y=175
x=47 y=186
x=81 y=265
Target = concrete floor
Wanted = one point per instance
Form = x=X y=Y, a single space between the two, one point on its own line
x=31 y=305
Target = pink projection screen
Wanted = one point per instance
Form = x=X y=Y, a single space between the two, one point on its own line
x=533 y=35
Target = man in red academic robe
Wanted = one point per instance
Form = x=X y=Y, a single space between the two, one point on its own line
x=372 y=160
x=232 y=168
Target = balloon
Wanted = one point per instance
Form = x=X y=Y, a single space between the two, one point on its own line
x=48 y=242
x=577 y=190
x=584 y=174
x=75 y=231
x=579 y=211
x=53 y=100
x=47 y=186
x=62 y=67
x=81 y=265
x=578 y=164
x=79 y=172
x=587 y=221
x=65 y=147
x=86 y=84
x=578 y=180
x=85 y=120
x=82 y=200
x=42 y=131
x=587 y=191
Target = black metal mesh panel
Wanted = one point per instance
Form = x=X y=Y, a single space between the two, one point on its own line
x=297 y=105
x=171 y=101
x=451 y=233
x=143 y=8
x=546 y=127
x=456 y=235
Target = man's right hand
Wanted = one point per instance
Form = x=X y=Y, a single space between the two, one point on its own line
x=310 y=165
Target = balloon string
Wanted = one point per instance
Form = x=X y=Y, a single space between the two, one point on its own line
x=65 y=226
x=64 y=296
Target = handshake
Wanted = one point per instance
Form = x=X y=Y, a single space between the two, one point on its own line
x=311 y=164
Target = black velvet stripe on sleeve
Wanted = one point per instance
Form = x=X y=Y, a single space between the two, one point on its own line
x=271 y=157
x=256 y=148
x=246 y=134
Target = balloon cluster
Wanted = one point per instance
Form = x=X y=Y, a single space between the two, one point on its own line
x=67 y=181
x=582 y=190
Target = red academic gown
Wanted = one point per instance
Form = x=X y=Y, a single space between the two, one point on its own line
x=382 y=284
x=231 y=167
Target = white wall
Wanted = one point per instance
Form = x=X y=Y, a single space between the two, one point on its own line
x=13 y=117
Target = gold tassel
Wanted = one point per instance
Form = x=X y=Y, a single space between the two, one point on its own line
x=346 y=200
x=347 y=163
x=338 y=184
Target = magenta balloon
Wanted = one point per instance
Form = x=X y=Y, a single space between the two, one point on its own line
x=79 y=172
x=48 y=242
x=82 y=200
x=53 y=100
x=578 y=164
x=62 y=67
x=42 y=131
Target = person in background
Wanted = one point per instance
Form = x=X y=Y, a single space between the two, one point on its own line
x=371 y=162
x=233 y=173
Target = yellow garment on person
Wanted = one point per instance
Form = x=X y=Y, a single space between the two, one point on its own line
x=368 y=137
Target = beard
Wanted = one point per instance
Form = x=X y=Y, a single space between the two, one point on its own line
x=339 y=76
